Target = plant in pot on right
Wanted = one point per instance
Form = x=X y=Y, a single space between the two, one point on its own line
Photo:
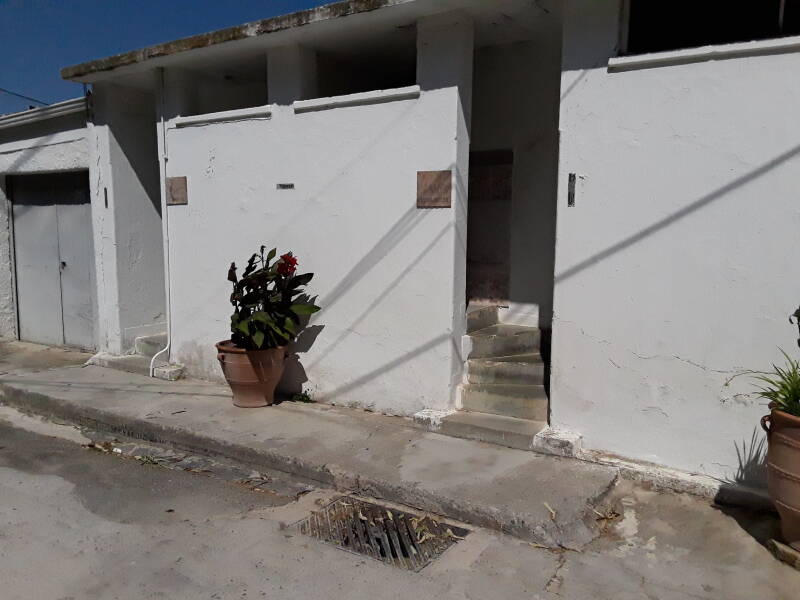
x=781 y=387
x=268 y=305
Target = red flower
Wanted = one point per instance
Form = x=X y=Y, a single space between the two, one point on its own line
x=287 y=265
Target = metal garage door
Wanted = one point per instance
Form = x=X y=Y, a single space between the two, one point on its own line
x=54 y=258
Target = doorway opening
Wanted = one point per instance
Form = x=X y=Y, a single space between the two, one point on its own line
x=489 y=227
x=54 y=258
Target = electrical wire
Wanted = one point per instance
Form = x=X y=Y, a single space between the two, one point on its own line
x=23 y=96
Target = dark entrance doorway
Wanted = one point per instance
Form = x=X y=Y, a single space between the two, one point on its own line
x=489 y=226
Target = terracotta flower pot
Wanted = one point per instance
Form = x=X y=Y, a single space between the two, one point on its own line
x=783 y=468
x=252 y=374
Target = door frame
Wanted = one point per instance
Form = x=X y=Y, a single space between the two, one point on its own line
x=7 y=187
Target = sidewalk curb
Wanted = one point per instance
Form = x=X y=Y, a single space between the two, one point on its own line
x=572 y=535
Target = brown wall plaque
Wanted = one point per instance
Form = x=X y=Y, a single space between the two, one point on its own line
x=434 y=189
x=177 y=192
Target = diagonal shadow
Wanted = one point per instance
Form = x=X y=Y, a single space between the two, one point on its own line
x=350 y=328
x=677 y=216
x=396 y=234
x=581 y=76
x=25 y=154
x=391 y=365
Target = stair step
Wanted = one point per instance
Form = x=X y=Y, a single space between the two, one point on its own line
x=140 y=365
x=480 y=316
x=519 y=313
x=493 y=429
x=518 y=401
x=150 y=345
x=523 y=369
x=501 y=341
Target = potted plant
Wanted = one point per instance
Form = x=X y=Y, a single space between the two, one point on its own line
x=781 y=388
x=268 y=304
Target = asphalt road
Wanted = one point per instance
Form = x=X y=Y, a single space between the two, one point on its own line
x=79 y=524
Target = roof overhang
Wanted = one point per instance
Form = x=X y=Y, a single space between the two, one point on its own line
x=87 y=71
x=355 y=26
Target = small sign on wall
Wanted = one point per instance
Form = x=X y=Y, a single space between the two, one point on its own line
x=177 y=191
x=434 y=189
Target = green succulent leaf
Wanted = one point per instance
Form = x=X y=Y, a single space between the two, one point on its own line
x=243 y=326
x=258 y=338
x=304 y=309
x=781 y=386
x=261 y=317
x=299 y=280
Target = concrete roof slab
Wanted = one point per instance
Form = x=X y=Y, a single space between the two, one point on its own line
x=239 y=32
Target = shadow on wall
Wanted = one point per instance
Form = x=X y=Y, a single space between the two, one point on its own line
x=752 y=457
x=677 y=216
x=294 y=376
x=760 y=522
x=26 y=154
x=390 y=366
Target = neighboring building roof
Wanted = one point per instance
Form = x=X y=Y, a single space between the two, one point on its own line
x=239 y=32
x=33 y=115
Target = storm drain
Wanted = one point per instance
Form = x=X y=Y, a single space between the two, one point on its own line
x=391 y=536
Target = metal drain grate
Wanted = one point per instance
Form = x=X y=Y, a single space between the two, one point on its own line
x=391 y=536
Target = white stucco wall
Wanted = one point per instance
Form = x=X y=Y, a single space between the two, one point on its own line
x=383 y=268
x=677 y=267
x=389 y=276
x=125 y=198
x=53 y=145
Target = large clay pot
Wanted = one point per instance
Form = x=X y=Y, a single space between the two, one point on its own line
x=783 y=464
x=252 y=374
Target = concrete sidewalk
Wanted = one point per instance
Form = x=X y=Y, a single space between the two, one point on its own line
x=547 y=500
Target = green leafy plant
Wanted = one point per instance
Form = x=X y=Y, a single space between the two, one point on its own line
x=303 y=397
x=781 y=386
x=268 y=301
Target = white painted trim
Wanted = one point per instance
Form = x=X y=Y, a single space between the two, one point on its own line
x=373 y=97
x=705 y=53
x=64 y=137
x=34 y=115
x=227 y=116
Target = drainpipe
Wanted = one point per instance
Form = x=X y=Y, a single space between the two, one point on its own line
x=164 y=219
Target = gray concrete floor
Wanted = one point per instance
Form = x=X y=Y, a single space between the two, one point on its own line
x=79 y=524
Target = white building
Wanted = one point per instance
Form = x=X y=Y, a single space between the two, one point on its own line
x=593 y=165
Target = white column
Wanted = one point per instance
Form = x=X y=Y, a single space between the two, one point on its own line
x=124 y=183
x=291 y=74
x=180 y=93
x=445 y=50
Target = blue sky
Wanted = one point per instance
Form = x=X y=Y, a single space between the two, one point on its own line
x=41 y=36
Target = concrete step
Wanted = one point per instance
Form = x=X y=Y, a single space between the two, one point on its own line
x=501 y=340
x=523 y=369
x=149 y=345
x=493 y=429
x=140 y=365
x=518 y=401
x=519 y=313
x=481 y=316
